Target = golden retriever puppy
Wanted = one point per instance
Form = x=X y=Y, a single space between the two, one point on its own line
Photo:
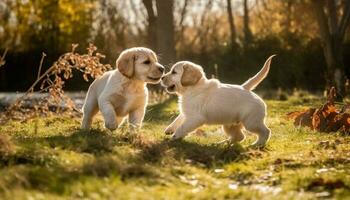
x=203 y=101
x=122 y=92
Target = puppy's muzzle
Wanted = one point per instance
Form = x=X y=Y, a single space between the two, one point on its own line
x=161 y=68
x=168 y=86
x=158 y=73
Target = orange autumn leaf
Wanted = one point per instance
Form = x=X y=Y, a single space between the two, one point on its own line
x=302 y=118
x=327 y=118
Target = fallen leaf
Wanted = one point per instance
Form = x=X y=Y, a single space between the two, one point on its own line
x=327 y=118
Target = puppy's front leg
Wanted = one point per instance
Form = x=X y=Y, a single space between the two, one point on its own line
x=174 y=125
x=186 y=127
x=108 y=113
x=136 y=116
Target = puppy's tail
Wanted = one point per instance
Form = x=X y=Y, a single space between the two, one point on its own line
x=254 y=81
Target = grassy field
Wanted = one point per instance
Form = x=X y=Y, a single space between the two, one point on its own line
x=50 y=158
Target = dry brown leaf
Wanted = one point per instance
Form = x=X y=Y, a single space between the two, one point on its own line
x=327 y=118
x=302 y=118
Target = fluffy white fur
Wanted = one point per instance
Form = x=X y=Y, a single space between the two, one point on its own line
x=122 y=92
x=203 y=101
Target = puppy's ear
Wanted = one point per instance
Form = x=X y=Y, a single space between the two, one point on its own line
x=126 y=64
x=191 y=75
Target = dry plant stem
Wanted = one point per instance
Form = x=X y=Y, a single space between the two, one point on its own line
x=53 y=81
x=41 y=64
x=3 y=55
x=31 y=89
x=39 y=78
x=2 y=58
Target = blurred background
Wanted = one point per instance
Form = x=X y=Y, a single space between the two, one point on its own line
x=230 y=38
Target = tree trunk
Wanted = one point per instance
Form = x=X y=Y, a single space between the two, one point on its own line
x=165 y=31
x=332 y=35
x=152 y=24
x=248 y=37
x=231 y=21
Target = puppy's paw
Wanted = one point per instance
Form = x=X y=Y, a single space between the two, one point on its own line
x=175 y=137
x=257 y=146
x=134 y=128
x=260 y=143
x=111 y=125
x=168 y=131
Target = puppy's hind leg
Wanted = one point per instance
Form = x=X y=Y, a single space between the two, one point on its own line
x=90 y=109
x=234 y=131
x=262 y=131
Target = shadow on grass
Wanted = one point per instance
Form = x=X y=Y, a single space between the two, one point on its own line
x=158 y=113
x=93 y=142
x=58 y=178
x=208 y=155
x=99 y=143
x=38 y=167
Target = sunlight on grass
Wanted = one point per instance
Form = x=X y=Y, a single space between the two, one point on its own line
x=51 y=158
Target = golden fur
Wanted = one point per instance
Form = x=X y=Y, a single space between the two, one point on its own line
x=123 y=92
x=203 y=101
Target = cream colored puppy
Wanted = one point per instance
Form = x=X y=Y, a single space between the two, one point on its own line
x=203 y=101
x=122 y=92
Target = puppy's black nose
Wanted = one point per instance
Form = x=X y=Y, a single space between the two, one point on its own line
x=161 y=68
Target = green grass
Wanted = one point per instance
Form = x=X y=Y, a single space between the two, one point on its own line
x=50 y=158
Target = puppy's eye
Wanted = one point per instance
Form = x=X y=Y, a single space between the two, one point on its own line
x=173 y=72
x=147 y=62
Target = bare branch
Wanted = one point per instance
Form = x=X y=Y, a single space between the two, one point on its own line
x=41 y=65
x=149 y=7
x=333 y=21
x=321 y=20
x=183 y=13
x=344 y=22
x=206 y=10
x=2 y=58
x=182 y=17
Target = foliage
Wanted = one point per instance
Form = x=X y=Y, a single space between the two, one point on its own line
x=300 y=66
x=43 y=25
x=52 y=82
x=202 y=34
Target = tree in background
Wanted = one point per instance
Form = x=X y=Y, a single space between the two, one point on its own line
x=32 y=27
x=161 y=30
x=111 y=31
x=201 y=31
x=231 y=23
x=248 y=36
x=333 y=19
x=152 y=24
x=165 y=31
